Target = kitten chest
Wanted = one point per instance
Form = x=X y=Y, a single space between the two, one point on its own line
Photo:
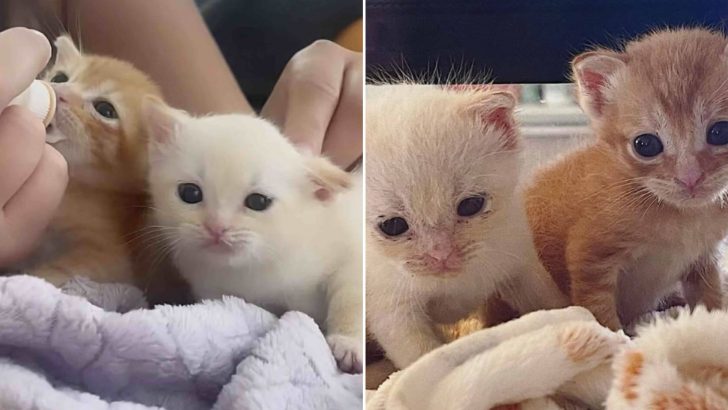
x=664 y=261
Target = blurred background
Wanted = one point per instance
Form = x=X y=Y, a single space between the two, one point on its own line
x=257 y=37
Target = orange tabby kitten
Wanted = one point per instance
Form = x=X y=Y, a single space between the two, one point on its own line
x=620 y=223
x=98 y=130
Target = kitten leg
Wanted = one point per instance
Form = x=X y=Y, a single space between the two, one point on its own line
x=594 y=265
x=404 y=333
x=497 y=311
x=344 y=321
x=703 y=283
x=97 y=262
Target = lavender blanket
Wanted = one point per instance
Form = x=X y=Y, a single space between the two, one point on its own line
x=59 y=351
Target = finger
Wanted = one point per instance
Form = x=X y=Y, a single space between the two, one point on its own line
x=344 y=137
x=22 y=138
x=31 y=209
x=274 y=109
x=313 y=96
x=23 y=54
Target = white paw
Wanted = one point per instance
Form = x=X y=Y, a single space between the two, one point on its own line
x=347 y=351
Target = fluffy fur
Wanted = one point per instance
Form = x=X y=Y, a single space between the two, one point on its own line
x=550 y=359
x=618 y=231
x=428 y=148
x=302 y=253
x=675 y=364
x=107 y=163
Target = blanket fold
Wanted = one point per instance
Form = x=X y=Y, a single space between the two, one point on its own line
x=225 y=354
x=565 y=360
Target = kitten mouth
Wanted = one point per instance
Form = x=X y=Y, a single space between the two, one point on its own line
x=692 y=199
x=220 y=247
x=442 y=270
x=54 y=134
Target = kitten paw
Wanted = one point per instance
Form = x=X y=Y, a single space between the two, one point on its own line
x=590 y=343
x=347 y=351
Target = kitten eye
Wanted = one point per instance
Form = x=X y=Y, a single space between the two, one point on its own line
x=189 y=193
x=106 y=109
x=394 y=226
x=60 y=77
x=718 y=133
x=647 y=145
x=257 y=202
x=471 y=205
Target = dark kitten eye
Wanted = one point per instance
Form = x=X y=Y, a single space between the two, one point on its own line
x=106 y=109
x=60 y=77
x=394 y=226
x=647 y=145
x=257 y=202
x=189 y=193
x=718 y=133
x=471 y=205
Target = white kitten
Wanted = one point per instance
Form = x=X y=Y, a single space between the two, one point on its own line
x=446 y=228
x=246 y=214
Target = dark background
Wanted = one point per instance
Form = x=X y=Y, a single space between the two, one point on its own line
x=516 y=41
x=258 y=37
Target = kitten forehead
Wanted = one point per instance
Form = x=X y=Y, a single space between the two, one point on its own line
x=104 y=70
x=425 y=150
x=235 y=152
x=677 y=71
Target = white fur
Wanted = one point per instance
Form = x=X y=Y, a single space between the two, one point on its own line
x=530 y=361
x=422 y=154
x=299 y=254
x=686 y=357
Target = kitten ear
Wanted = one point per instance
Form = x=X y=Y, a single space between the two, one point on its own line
x=160 y=120
x=66 y=51
x=496 y=110
x=592 y=72
x=327 y=178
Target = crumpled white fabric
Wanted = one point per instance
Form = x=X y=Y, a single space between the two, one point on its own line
x=59 y=351
x=555 y=359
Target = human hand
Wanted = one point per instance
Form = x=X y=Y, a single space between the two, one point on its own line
x=33 y=175
x=318 y=101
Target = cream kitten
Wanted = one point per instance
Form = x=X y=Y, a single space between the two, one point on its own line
x=250 y=216
x=445 y=226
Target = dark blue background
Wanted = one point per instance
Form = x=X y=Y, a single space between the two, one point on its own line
x=516 y=41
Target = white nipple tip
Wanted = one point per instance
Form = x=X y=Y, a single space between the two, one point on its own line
x=40 y=99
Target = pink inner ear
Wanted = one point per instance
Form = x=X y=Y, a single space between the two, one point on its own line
x=322 y=194
x=501 y=119
x=593 y=83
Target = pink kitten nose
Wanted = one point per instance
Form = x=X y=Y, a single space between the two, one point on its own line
x=443 y=256
x=441 y=251
x=690 y=179
x=66 y=95
x=215 y=230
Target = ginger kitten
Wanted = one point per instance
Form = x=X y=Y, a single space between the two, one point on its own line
x=620 y=223
x=247 y=215
x=445 y=226
x=98 y=129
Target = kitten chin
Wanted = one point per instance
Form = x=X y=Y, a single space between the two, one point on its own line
x=620 y=223
x=446 y=228
x=97 y=129
x=244 y=213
